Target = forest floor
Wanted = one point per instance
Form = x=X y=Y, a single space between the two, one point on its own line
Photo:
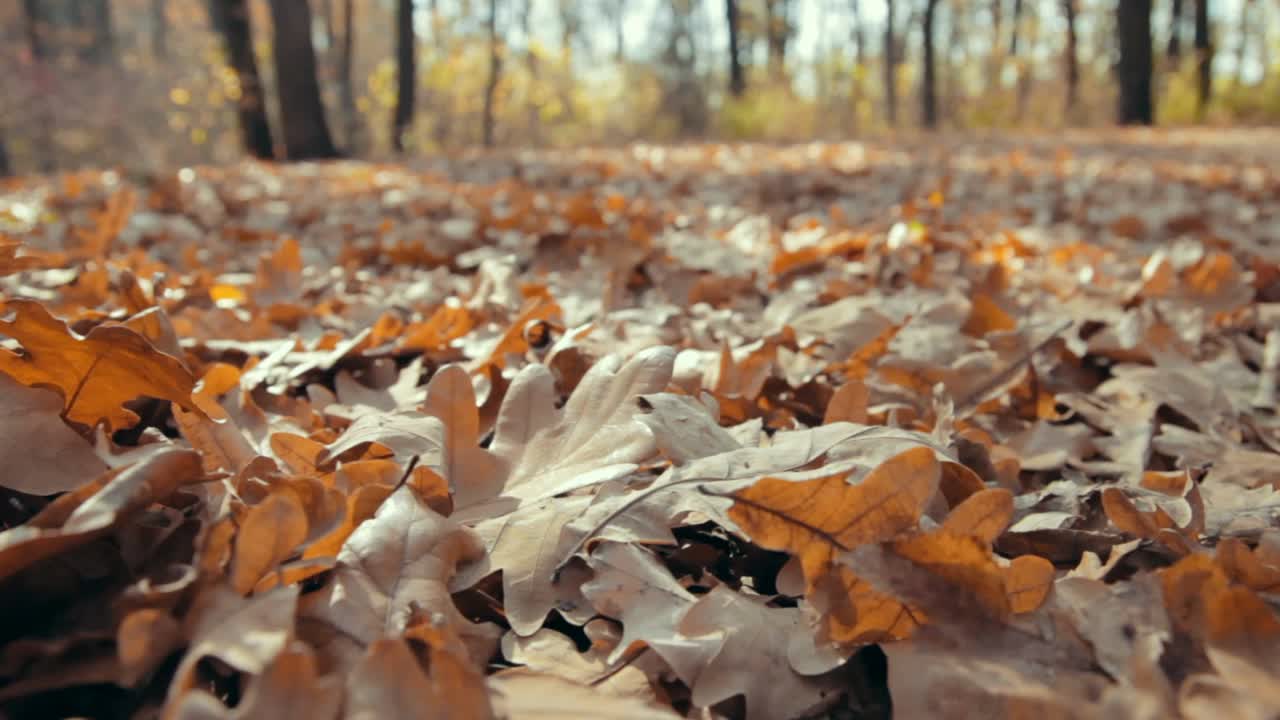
x=947 y=428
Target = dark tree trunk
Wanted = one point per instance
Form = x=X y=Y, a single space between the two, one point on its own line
x=929 y=86
x=859 y=39
x=97 y=21
x=5 y=168
x=306 y=134
x=45 y=120
x=777 y=31
x=1242 y=48
x=1071 y=59
x=890 y=66
x=1015 y=31
x=495 y=70
x=995 y=60
x=406 y=73
x=1134 y=69
x=159 y=30
x=346 y=90
x=1174 y=51
x=231 y=19
x=737 y=79
x=1204 y=57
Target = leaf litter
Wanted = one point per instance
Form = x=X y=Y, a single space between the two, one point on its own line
x=710 y=431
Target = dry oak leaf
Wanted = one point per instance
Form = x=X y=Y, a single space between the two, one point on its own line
x=269 y=533
x=683 y=427
x=815 y=520
x=97 y=373
x=389 y=682
x=720 y=645
x=520 y=694
x=631 y=586
x=747 y=648
x=400 y=559
x=41 y=455
x=290 y=688
x=244 y=633
x=405 y=432
x=95 y=508
x=593 y=439
x=474 y=473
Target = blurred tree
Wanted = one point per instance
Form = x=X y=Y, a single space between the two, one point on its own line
x=231 y=19
x=346 y=88
x=1204 y=57
x=1015 y=31
x=5 y=168
x=495 y=73
x=778 y=29
x=1070 y=59
x=928 y=88
x=94 y=18
x=889 y=58
x=1134 y=66
x=406 y=73
x=159 y=30
x=737 y=78
x=306 y=134
x=1174 y=51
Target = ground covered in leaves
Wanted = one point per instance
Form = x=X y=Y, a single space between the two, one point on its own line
x=948 y=429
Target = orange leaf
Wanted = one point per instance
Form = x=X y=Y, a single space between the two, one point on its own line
x=97 y=373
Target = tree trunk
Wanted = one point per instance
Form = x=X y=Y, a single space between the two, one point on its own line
x=1071 y=59
x=231 y=19
x=495 y=69
x=346 y=90
x=995 y=59
x=1204 y=58
x=777 y=31
x=98 y=24
x=1242 y=48
x=1174 y=51
x=929 y=86
x=859 y=39
x=306 y=135
x=737 y=79
x=159 y=30
x=5 y=168
x=1134 y=69
x=45 y=121
x=406 y=73
x=1015 y=31
x=890 y=66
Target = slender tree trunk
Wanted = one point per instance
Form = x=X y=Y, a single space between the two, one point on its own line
x=159 y=30
x=1134 y=69
x=1174 y=51
x=406 y=73
x=346 y=88
x=98 y=23
x=929 y=87
x=1015 y=31
x=495 y=69
x=533 y=109
x=306 y=134
x=859 y=38
x=231 y=18
x=890 y=66
x=1071 y=59
x=41 y=73
x=1204 y=58
x=737 y=79
x=5 y=168
x=1242 y=49
x=777 y=31
x=995 y=60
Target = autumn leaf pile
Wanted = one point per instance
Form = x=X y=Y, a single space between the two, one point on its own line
x=966 y=428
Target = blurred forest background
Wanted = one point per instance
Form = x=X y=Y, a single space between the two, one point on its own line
x=148 y=84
